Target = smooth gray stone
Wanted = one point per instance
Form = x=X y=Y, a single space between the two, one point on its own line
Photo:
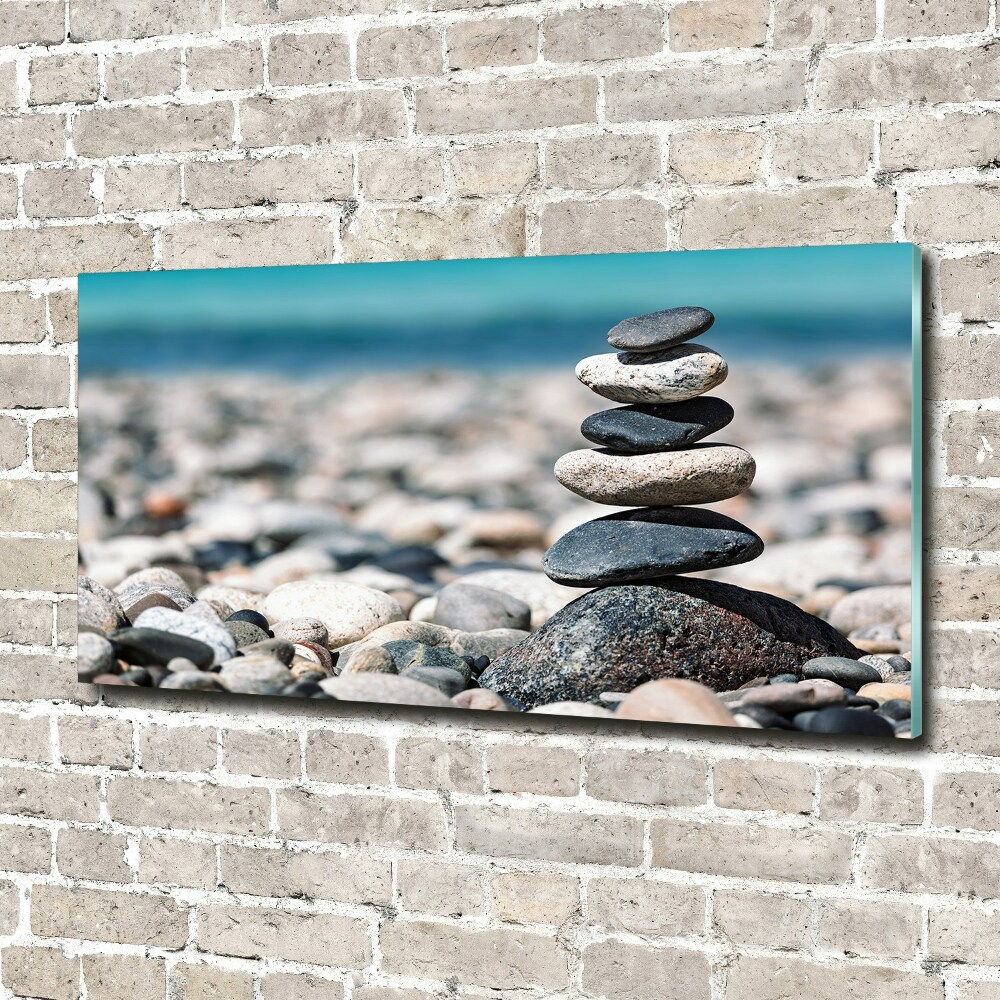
x=649 y=543
x=469 y=608
x=847 y=672
x=642 y=428
x=656 y=330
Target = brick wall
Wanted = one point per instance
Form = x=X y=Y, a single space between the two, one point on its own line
x=178 y=848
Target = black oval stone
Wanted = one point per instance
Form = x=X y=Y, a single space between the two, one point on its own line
x=648 y=543
x=846 y=672
x=251 y=617
x=657 y=427
x=656 y=330
x=848 y=721
x=145 y=647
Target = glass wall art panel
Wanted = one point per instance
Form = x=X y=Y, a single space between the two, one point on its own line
x=670 y=487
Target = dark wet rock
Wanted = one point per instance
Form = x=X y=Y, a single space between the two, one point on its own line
x=656 y=330
x=245 y=633
x=407 y=655
x=251 y=617
x=470 y=608
x=846 y=721
x=650 y=427
x=647 y=544
x=203 y=624
x=145 y=646
x=303 y=689
x=846 y=671
x=616 y=638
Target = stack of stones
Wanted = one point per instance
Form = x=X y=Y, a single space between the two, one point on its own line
x=650 y=453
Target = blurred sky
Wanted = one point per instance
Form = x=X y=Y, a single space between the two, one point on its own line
x=544 y=310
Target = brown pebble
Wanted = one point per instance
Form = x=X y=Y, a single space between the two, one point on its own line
x=755 y=683
x=300 y=630
x=886 y=692
x=161 y=504
x=308 y=670
x=112 y=679
x=876 y=645
x=799 y=697
x=676 y=700
x=320 y=655
x=480 y=700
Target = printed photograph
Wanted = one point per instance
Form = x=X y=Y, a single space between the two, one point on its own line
x=665 y=487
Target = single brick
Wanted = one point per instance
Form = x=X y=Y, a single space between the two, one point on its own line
x=430 y=763
x=248 y=242
x=676 y=92
x=782 y=786
x=263 y=753
x=111 y=977
x=53 y=251
x=517 y=959
x=960 y=366
x=595 y=34
x=168 y=861
x=171 y=128
x=233 y=66
x=508 y=41
x=922 y=18
x=93 y=854
x=625 y=225
x=964 y=518
x=971 y=286
x=266 y=12
x=308 y=59
x=13 y=444
x=63 y=316
x=59 y=193
x=66 y=622
x=753 y=977
x=934 y=142
x=480 y=171
x=292 y=935
x=10 y=908
x=933 y=863
x=963 y=934
x=972 y=448
x=963 y=727
x=91 y=19
x=9 y=97
x=26 y=849
x=39 y=22
x=961 y=658
x=8 y=196
x=966 y=801
x=401 y=174
x=535 y=769
x=63 y=79
x=26 y=622
x=203 y=981
x=93 y=739
x=25 y=737
x=650 y=777
x=439 y=888
x=27 y=676
x=535 y=897
x=624 y=970
x=41 y=972
x=823 y=152
x=104 y=915
x=22 y=318
x=358 y=114
x=362 y=819
x=962 y=593
x=178 y=748
x=139 y=187
x=537 y=834
x=33 y=138
x=317 y=177
x=953 y=213
x=183 y=805
x=346 y=877
x=602 y=161
x=906 y=76
x=749 y=850
x=411 y=50
x=871 y=795
x=804 y=216
x=506 y=104
x=301 y=986
x=758 y=919
x=808 y=22
x=53 y=445
x=718 y=24
x=347 y=758
x=142 y=74
x=646 y=906
x=38 y=564
x=464 y=231
x=869 y=928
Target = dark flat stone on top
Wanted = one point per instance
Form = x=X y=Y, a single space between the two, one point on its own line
x=657 y=330
x=657 y=426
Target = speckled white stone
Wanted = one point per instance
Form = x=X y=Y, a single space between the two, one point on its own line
x=669 y=376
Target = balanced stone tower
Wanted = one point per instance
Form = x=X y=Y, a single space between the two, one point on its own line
x=650 y=454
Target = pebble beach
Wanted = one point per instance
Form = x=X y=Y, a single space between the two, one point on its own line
x=382 y=537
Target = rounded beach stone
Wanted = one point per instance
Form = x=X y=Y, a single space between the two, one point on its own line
x=896 y=709
x=637 y=429
x=146 y=646
x=370 y=660
x=649 y=543
x=196 y=626
x=619 y=637
x=301 y=630
x=384 y=689
x=489 y=644
x=315 y=653
x=669 y=376
x=481 y=700
x=656 y=330
x=280 y=649
x=881 y=692
x=790 y=699
x=407 y=655
x=348 y=610
x=444 y=679
x=245 y=633
x=705 y=473
x=191 y=680
x=544 y=596
x=251 y=618
x=135 y=601
x=848 y=672
x=675 y=700
x=156 y=578
x=94 y=655
x=478 y=609
x=846 y=721
x=254 y=675
x=98 y=608
x=871 y=606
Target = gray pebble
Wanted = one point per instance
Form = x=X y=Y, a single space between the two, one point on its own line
x=279 y=649
x=245 y=634
x=301 y=630
x=191 y=680
x=254 y=675
x=95 y=655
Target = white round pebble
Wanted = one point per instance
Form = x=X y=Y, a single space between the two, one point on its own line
x=669 y=376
